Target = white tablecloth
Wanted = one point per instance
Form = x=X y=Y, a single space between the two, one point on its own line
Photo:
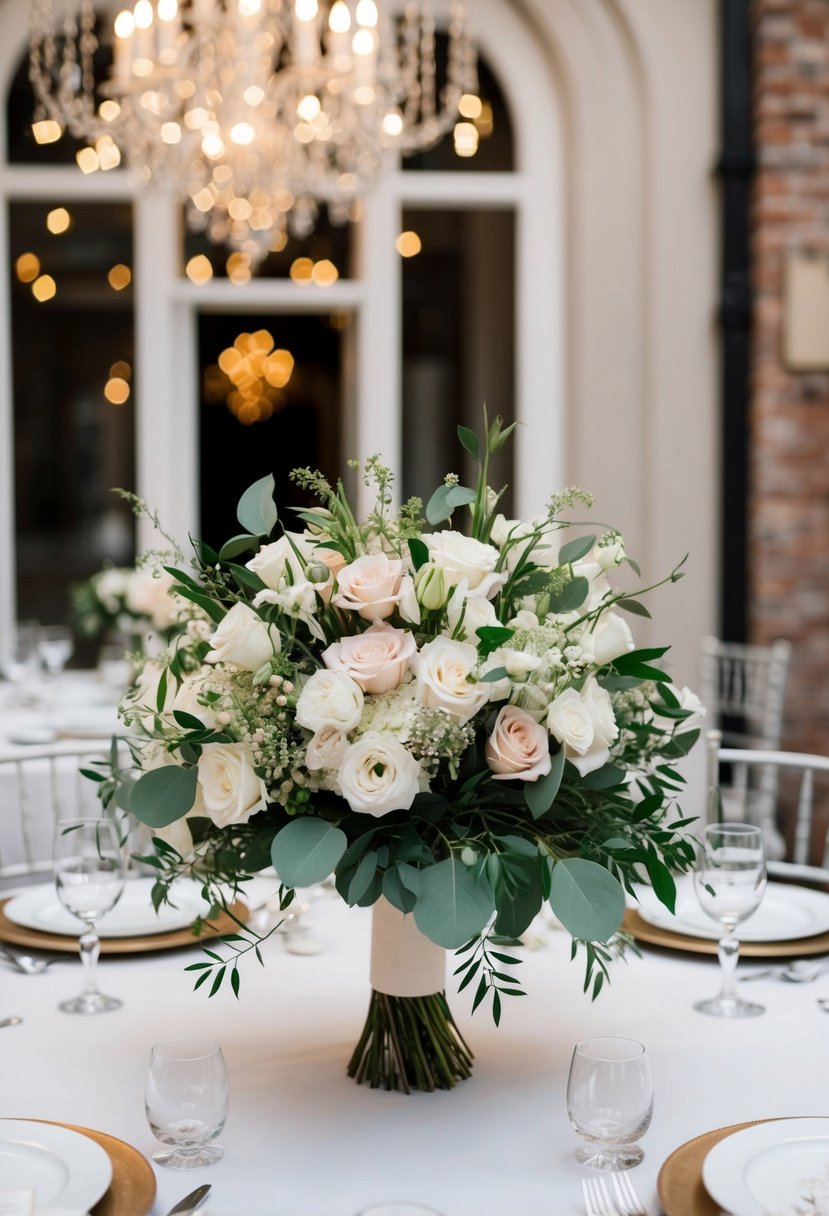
x=303 y=1140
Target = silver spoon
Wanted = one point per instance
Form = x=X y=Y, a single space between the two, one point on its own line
x=10 y=1022
x=26 y=962
x=798 y=971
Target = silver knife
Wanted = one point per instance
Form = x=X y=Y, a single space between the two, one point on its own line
x=190 y=1202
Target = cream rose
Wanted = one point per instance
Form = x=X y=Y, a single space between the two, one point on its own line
x=611 y=638
x=148 y=594
x=278 y=560
x=370 y=586
x=378 y=775
x=518 y=748
x=445 y=678
x=230 y=789
x=186 y=698
x=244 y=640
x=377 y=659
x=326 y=749
x=462 y=557
x=584 y=724
x=329 y=698
x=466 y=614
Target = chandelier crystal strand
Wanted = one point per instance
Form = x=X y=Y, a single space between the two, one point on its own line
x=257 y=112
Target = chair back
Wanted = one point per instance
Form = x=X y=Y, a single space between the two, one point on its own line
x=743 y=687
x=803 y=766
x=39 y=787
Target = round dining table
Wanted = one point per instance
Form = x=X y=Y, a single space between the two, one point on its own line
x=302 y=1139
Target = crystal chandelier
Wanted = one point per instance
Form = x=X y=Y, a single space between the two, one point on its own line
x=255 y=111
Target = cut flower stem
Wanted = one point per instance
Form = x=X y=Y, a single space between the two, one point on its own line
x=410 y=1043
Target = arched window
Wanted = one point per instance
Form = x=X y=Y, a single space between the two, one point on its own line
x=388 y=357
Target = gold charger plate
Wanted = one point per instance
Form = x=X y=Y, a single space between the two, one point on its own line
x=638 y=927
x=19 y=935
x=133 y=1186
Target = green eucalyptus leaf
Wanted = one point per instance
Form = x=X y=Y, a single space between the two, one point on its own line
x=163 y=795
x=518 y=905
x=460 y=496
x=470 y=441
x=541 y=794
x=575 y=549
x=587 y=899
x=306 y=851
x=437 y=508
x=453 y=904
x=256 y=511
x=242 y=543
x=363 y=877
x=396 y=892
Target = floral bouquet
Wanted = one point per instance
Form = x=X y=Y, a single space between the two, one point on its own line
x=129 y=601
x=457 y=725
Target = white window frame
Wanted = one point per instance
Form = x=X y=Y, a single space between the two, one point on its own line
x=167 y=305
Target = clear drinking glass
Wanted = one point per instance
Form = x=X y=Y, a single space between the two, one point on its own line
x=610 y=1101
x=21 y=665
x=90 y=869
x=729 y=880
x=55 y=646
x=186 y=1101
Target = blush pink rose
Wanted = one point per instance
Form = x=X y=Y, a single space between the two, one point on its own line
x=370 y=586
x=518 y=748
x=377 y=660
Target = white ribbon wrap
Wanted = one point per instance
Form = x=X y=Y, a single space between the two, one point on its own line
x=403 y=961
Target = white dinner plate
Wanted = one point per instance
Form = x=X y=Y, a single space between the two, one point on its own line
x=771 y=1169
x=786 y=913
x=133 y=915
x=84 y=722
x=63 y=1168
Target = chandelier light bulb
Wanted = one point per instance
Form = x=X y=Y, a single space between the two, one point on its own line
x=393 y=124
x=339 y=19
x=306 y=10
x=124 y=24
x=143 y=14
x=167 y=10
x=366 y=14
x=309 y=107
x=242 y=133
x=249 y=8
x=363 y=42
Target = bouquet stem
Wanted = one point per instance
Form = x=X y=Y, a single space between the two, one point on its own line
x=410 y=1043
x=410 y=1040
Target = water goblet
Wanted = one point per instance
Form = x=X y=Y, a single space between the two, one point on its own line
x=90 y=869
x=186 y=1101
x=729 y=881
x=610 y=1101
x=21 y=664
x=55 y=646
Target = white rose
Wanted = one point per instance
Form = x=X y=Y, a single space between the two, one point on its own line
x=570 y=721
x=611 y=638
x=148 y=595
x=370 y=586
x=244 y=640
x=230 y=789
x=273 y=562
x=517 y=533
x=689 y=700
x=518 y=663
x=461 y=557
x=111 y=587
x=378 y=775
x=470 y=613
x=610 y=555
x=186 y=698
x=445 y=678
x=330 y=698
x=326 y=749
x=600 y=706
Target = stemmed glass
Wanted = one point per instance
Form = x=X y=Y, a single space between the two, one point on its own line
x=610 y=1101
x=21 y=660
x=729 y=880
x=90 y=868
x=55 y=646
x=186 y=1101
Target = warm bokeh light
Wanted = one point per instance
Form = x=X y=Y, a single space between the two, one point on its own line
x=119 y=277
x=238 y=268
x=250 y=377
x=116 y=390
x=470 y=106
x=301 y=270
x=47 y=131
x=199 y=269
x=109 y=110
x=408 y=244
x=108 y=152
x=466 y=139
x=44 y=288
x=27 y=267
x=58 y=221
x=121 y=369
x=324 y=273
x=87 y=159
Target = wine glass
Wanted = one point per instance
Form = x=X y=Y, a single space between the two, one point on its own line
x=729 y=880
x=610 y=1101
x=55 y=646
x=186 y=1101
x=90 y=869
x=21 y=659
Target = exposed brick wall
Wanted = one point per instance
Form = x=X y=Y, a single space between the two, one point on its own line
x=789 y=423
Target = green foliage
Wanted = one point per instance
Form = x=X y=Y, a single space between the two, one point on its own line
x=256 y=510
x=307 y=850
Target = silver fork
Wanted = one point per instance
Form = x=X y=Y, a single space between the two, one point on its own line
x=597 y=1198
x=629 y=1202
x=26 y=963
